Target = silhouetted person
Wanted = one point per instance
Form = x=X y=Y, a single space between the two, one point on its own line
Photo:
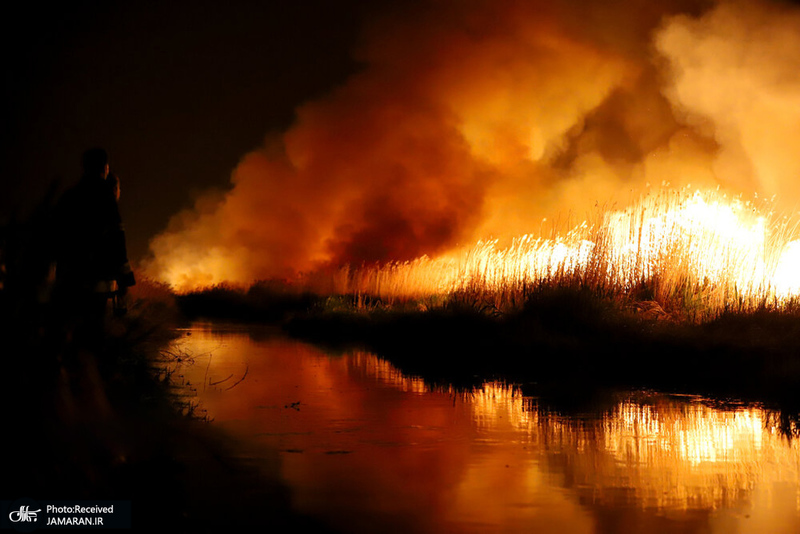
x=91 y=257
x=125 y=278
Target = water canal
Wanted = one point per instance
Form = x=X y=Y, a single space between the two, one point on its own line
x=364 y=448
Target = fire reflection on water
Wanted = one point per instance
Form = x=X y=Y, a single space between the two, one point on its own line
x=693 y=456
x=673 y=452
x=384 y=372
x=358 y=438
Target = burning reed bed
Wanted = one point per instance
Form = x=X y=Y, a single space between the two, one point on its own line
x=682 y=257
x=697 y=255
x=682 y=291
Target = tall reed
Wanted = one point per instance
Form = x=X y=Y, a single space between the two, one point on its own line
x=695 y=253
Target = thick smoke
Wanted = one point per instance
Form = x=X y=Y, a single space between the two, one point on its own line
x=477 y=118
x=736 y=78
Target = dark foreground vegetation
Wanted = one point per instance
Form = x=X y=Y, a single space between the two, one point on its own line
x=570 y=341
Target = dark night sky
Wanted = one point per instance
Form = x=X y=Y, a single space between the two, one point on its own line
x=176 y=92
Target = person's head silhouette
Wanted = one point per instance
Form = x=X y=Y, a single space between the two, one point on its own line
x=95 y=163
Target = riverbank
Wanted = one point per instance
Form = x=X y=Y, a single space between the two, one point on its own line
x=560 y=339
x=570 y=341
x=563 y=343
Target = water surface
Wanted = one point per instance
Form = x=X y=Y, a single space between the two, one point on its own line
x=365 y=448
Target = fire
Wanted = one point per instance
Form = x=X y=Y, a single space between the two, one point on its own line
x=722 y=248
x=716 y=242
x=469 y=122
x=786 y=278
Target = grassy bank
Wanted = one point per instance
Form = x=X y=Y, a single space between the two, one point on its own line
x=571 y=339
x=564 y=338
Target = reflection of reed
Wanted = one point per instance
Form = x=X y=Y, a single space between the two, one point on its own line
x=698 y=250
x=493 y=457
x=661 y=452
x=694 y=434
x=385 y=373
x=497 y=401
x=692 y=456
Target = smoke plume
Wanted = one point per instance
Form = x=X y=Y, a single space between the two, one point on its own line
x=477 y=118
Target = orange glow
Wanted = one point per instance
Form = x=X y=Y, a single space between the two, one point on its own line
x=458 y=132
x=725 y=249
x=722 y=248
x=356 y=438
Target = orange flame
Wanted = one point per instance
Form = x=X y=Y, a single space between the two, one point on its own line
x=476 y=119
x=725 y=248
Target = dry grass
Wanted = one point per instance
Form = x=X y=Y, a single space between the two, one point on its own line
x=697 y=255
